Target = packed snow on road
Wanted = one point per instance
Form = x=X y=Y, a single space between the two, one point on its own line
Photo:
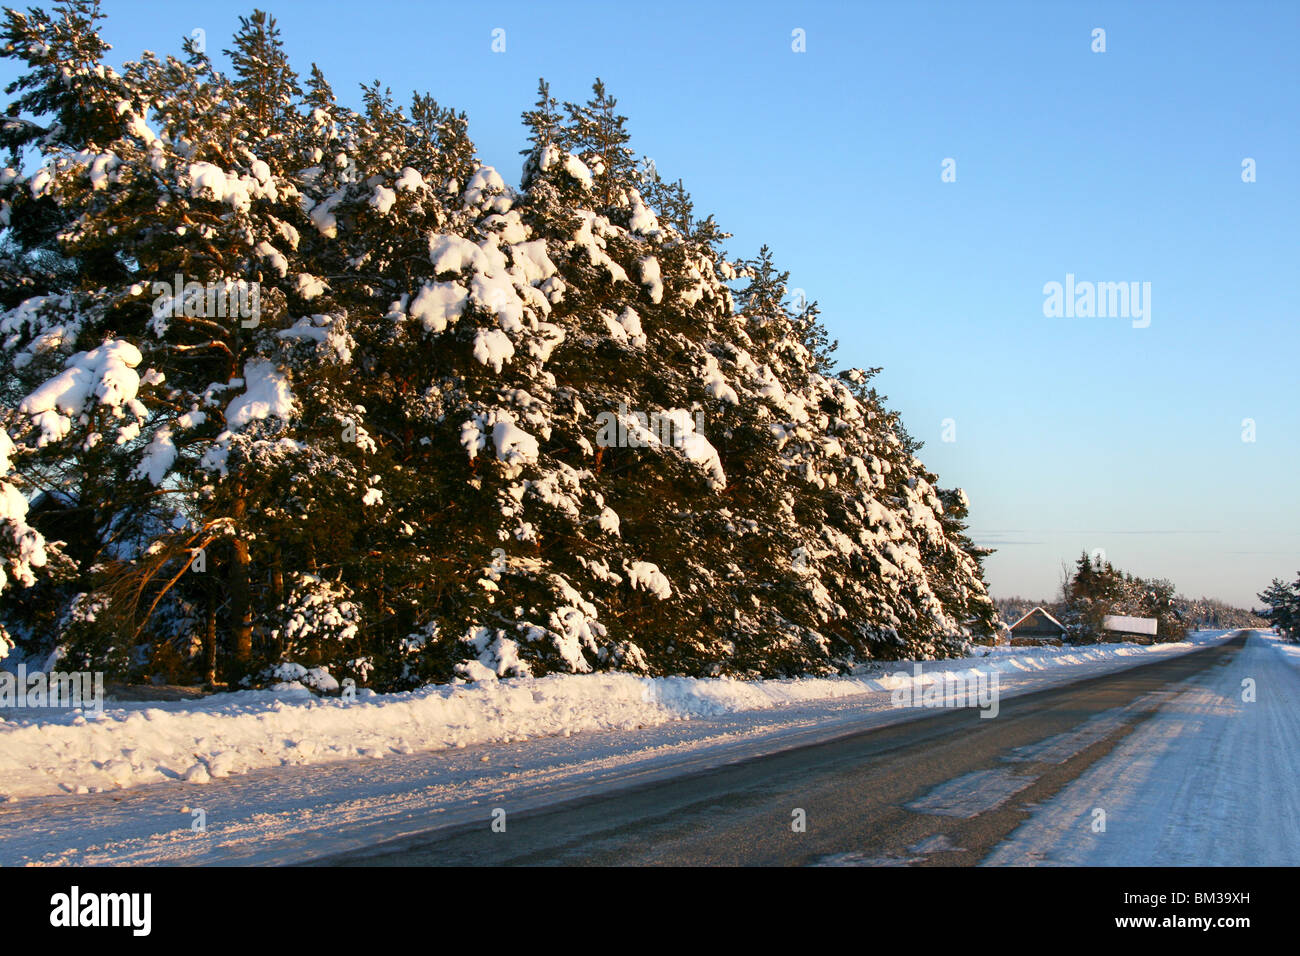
x=1210 y=780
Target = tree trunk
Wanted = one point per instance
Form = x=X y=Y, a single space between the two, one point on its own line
x=241 y=605
x=277 y=593
x=210 y=642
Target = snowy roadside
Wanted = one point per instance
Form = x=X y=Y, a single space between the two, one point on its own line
x=287 y=814
x=44 y=752
x=1209 y=780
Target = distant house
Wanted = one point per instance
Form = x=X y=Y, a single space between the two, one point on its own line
x=1037 y=627
x=1117 y=627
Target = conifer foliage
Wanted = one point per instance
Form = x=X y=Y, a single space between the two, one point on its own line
x=1097 y=589
x=1282 y=607
x=292 y=388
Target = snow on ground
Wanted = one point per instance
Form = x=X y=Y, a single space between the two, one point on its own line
x=51 y=751
x=1210 y=780
x=302 y=775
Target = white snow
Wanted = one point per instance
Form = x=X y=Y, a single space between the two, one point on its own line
x=30 y=543
x=509 y=227
x=645 y=576
x=451 y=253
x=625 y=328
x=514 y=446
x=212 y=182
x=487 y=189
x=642 y=219
x=532 y=737
x=6 y=450
x=498 y=656
x=608 y=520
x=715 y=383
x=158 y=458
x=493 y=347
x=590 y=238
x=1209 y=780
x=266 y=394
x=382 y=199
x=309 y=286
x=651 y=278
x=571 y=164
x=324 y=330
x=578 y=170
x=322 y=213
x=1129 y=625
x=207 y=178
x=471 y=436
x=438 y=305
x=267 y=252
x=532 y=259
x=696 y=448
x=106 y=373
x=496 y=294
x=410 y=181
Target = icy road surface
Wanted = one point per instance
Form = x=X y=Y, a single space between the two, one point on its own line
x=1213 y=779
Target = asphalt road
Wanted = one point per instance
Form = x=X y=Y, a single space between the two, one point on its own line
x=941 y=790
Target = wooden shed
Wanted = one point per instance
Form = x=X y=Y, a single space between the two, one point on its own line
x=1119 y=627
x=1037 y=627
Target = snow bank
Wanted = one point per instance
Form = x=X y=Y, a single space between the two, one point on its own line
x=1289 y=650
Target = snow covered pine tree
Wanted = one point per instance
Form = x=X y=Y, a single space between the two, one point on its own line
x=296 y=391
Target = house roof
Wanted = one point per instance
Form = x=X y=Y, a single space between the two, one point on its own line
x=1038 y=610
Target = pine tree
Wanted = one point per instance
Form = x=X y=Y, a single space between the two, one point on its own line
x=544 y=122
x=598 y=134
x=1283 y=611
x=264 y=81
x=67 y=83
x=474 y=431
x=443 y=134
x=814 y=337
x=319 y=94
x=763 y=301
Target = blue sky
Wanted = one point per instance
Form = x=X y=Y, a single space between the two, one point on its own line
x=1124 y=166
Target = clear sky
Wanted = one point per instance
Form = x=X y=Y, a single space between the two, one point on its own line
x=1071 y=433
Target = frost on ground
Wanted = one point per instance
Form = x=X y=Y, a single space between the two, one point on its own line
x=446 y=752
x=1210 y=780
